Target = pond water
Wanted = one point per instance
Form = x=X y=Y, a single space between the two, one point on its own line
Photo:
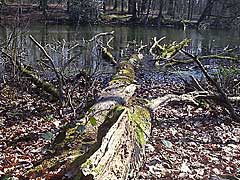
x=203 y=42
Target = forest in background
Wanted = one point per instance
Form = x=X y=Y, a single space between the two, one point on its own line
x=199 y=13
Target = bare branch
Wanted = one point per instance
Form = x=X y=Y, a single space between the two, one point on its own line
x=100 y=35
x=227 y=103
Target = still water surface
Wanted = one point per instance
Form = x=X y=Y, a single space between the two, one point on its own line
x=203 y=42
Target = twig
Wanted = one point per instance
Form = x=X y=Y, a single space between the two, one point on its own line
x=58 y=74
x=227 y=103
x=198 y=86
x=100 y=35
x=109 y=41
x=46 y=54
x=156 y=43
x=69 y=61
x=141 y=47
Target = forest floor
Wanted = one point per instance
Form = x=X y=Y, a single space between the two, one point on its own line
x=29 y=123
x=187 y=142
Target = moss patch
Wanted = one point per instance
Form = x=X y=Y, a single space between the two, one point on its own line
x=140 y=116
x=107 y=55
x=125 y=75
x=169 y=50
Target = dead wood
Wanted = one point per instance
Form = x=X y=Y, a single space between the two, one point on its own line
x=174 y=62
x=122 y=135
x=192 y=98
x=122 y=131
x=101 y=35
x=44 y=85
x=226 y=102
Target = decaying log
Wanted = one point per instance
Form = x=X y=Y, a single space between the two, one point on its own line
x=174 y=62
x=226 y=102
x=192 y=98
x=121 y=149
x=167 y=52
x=44 y=85
x=117 y=149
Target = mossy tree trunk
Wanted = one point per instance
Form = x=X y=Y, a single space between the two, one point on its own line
x=119 y=150
x=122 y=130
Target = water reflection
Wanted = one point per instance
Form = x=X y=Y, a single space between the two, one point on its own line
x=202 y=42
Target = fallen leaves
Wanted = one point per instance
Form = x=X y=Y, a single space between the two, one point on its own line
x=190 y=142
x=25 y=130
x=192 y=148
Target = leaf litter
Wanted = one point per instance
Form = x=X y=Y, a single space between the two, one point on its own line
x=188 y=142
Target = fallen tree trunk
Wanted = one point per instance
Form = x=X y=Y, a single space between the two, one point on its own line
x=117 y=148
x=120 y=151
x=46 y=86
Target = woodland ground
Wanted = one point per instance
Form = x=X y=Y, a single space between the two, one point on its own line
x=187 y=142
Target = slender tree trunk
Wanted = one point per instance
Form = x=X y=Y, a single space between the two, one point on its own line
x=189 y=9
x=206 y=11
x=148 y=10
x=122 y=6
x=192 y=9
x=170 y=11
x=160 y=14
x=115 y=5
x=132 y=8
x=43 y=6
x=68 y=5
x=174 y=8
x=143 y=6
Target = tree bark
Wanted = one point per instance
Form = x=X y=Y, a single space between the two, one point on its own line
x=132 y=8
x=117 y=149
x=206 y=11
x=160 y=13
x=148 y=11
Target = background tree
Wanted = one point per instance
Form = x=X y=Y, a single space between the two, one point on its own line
x=85 y=11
